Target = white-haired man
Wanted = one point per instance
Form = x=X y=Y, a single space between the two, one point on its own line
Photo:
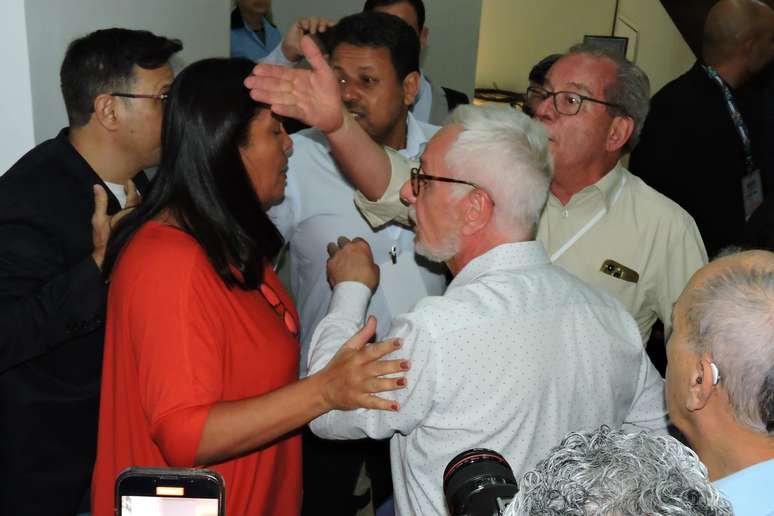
x=720 y=377
x=517 y=352
x=611 y=472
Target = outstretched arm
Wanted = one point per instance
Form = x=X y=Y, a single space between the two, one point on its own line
x=312 y=96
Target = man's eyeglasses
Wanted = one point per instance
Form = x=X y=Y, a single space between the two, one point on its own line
x=568 y=102
x=279 y=307
x=155 y=96
x=417 y=178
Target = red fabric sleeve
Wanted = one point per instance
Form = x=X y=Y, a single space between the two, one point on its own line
x=178 y=338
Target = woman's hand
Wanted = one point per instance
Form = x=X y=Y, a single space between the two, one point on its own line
x=355 y=373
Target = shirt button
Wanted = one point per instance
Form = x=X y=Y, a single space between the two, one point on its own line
x=565 y=213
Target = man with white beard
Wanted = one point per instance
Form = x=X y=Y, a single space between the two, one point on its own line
x=517 y=352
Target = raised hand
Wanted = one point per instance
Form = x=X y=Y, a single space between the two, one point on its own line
x=291 y=43
x=311 y=96
x=102 y=223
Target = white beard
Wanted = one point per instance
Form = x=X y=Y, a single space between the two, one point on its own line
x=447 y=248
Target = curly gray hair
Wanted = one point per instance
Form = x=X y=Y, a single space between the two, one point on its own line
x=608 y=472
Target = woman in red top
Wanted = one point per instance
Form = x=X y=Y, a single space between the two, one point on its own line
x=201 y=347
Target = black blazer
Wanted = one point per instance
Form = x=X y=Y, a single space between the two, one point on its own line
x=52 y=305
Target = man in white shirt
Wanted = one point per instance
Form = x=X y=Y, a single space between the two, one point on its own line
x=517 y=352
x=720 y=377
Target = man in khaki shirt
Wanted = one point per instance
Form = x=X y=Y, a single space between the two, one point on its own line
x=600 y=222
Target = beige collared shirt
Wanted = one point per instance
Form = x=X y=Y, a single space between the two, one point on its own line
x=643 y=231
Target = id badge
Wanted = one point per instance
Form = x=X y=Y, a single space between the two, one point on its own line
x=752 y=191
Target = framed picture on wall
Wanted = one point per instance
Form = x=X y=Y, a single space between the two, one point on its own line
x=613 y=43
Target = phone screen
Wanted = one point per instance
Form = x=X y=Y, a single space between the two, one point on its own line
x=169 y=492
x=168 y=506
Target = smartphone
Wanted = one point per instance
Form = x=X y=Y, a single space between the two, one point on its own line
x=170 y=492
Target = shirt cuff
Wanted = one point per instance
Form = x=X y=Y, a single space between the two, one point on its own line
x=350 y=299
x=389 y=207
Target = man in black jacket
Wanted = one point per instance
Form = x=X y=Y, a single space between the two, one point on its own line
x=57 y=204
x=692 y=147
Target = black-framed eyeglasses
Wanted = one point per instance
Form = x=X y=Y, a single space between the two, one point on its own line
x=280 y=309
x=417 y=177
x=568 y=102
x=155 y=96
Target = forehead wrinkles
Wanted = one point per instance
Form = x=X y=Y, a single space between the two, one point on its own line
x=582 y=73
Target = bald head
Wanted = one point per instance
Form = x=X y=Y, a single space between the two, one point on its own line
x=729 y=309
x=733 y=24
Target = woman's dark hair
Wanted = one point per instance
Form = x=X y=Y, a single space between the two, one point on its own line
x=201 y=179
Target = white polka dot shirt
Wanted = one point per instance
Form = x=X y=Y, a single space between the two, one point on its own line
x=513 y=356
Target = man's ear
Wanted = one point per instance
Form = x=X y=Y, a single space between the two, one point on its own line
x=423 y=37
x=619 y=133
x=701 y=386
x=105 y=111
x=410 y=88
x=479 y=210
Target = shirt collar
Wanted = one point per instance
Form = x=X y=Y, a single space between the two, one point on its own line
x=606 y=187
x=516 y=255
x=416 y=138
x=609 y=184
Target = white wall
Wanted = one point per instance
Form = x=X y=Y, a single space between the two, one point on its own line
x=202 y=25
x=16 y=129
x=450 y=57
x=516 y=34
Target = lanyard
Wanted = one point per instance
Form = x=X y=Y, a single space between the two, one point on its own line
x=590 y=224
x=736 y=117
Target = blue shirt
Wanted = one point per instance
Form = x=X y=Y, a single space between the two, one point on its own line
x=750 y=490
x=245 y=43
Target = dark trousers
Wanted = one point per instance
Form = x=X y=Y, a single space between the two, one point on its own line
x=331 y=469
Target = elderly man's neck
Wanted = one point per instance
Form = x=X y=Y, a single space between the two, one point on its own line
x=570 y=180
x=732 y=448
x=473 y=246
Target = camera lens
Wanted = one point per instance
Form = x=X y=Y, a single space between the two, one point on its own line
x=478 y=482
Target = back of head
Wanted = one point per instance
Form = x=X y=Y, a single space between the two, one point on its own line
x=728 y=25
x=630 y=89
x=103 y=61
x=731 y=316
x=505 y=152
x=608 y=472
x=375 y=29
x=201 y=180
x=418 y=5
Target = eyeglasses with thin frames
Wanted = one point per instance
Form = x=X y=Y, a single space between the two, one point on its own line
x=417 y=177
x=568 y=102
x=155 y=96
x=280 y=309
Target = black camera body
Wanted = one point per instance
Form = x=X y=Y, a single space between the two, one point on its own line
x=478 y=482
